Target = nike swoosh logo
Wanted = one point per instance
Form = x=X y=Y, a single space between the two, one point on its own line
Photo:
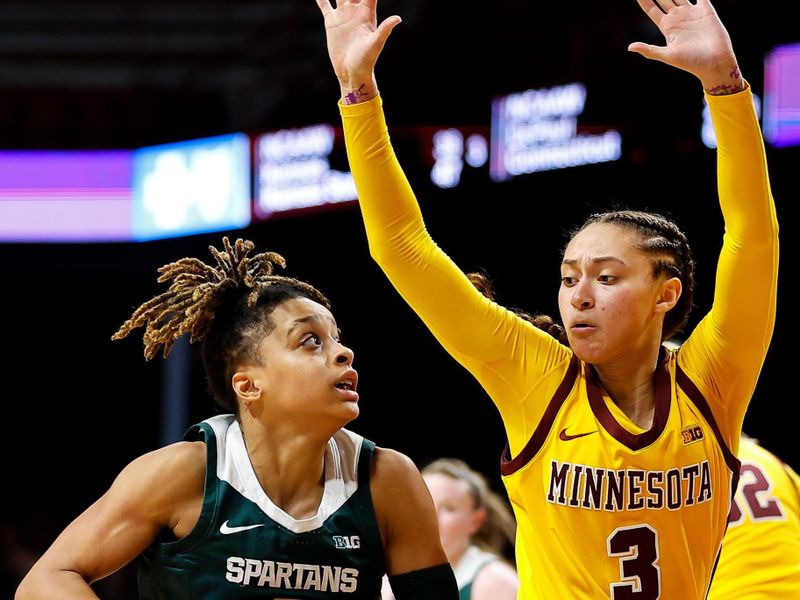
x=565 y=437
x=226 y=530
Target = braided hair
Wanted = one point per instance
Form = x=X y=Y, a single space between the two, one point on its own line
x=225 y=307
x=669 y=252
x=660 y=238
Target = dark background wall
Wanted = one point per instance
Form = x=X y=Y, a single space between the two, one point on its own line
x=92 y=74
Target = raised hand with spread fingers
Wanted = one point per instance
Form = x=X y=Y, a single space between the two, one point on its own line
x=355 y=40
x=696 y=42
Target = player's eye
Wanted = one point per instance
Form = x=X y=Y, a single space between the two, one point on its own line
x=312 y=340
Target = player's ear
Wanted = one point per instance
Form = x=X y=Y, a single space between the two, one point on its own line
x=248 y=389
x=477 y=520
x=246 y=385
x=669 y=294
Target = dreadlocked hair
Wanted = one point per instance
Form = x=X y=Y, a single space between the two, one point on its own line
x=669 y=251
x=225 y=307
x=543 y=322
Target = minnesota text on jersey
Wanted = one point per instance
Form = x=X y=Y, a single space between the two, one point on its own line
x=612 y=490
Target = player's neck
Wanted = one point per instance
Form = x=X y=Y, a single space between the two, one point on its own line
x=631 y=387
x=289 y=468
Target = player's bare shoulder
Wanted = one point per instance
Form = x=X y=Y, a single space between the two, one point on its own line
x=497 y=580
x=395 y=476
x=175 y=465
x=392 y=472
x=167 y=484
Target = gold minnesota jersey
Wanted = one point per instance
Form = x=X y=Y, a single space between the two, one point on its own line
x=760 y=557
x=605 y=509
x=597 y=501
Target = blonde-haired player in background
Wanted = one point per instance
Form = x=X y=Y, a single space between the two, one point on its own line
x=477 y=530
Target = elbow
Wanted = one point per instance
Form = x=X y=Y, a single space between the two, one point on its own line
x=381 y=251
x=25 y=590
x=378 y=254
x=407 y=246
x=38 y=584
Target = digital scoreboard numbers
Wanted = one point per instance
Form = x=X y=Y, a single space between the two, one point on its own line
x=224 y=182
x=453 y=150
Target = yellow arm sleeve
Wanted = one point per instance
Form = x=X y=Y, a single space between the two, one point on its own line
x=727 y=349
x=507 y=355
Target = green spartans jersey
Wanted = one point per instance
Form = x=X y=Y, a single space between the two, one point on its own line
x=244 y=546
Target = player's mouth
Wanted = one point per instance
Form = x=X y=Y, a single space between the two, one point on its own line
x=348 y=384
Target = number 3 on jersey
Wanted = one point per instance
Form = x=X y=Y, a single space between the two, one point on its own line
x=636 y=548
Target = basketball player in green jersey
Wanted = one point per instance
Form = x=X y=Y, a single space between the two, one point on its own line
x=622 y=451
x=273 y=499
x=761 y=549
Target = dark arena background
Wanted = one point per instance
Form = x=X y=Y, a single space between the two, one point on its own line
x=86 y=75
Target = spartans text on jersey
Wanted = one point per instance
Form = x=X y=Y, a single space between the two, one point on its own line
x=291 y=576
x=611 y=490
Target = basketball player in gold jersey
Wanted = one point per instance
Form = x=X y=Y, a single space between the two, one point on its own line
x=761 y=550
x=622 y=451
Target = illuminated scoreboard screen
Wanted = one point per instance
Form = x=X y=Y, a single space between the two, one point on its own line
x=65 y=196
x=303 y=169
x=299 y=170
x=227 y=181
x=538 y=130
x=782 y=96
x=192 y=186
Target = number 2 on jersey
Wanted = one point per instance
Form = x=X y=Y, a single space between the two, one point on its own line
x=755 y=488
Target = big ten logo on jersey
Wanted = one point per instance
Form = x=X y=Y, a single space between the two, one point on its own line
x=347 y=542
x=692 y=434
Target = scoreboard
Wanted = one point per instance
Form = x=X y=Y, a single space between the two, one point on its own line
x=233 y=180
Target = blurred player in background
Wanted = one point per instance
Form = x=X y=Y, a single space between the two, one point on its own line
x=477 y=530
x=760 y=557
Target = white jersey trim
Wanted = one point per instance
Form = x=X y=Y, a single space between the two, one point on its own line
x=340 y=472
x=471 y=562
